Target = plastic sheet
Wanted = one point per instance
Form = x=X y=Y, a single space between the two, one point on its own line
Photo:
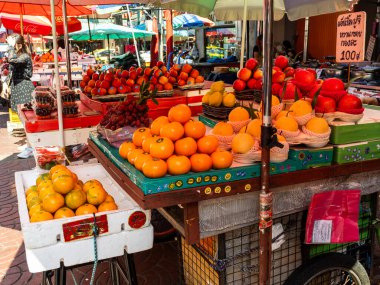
x=224 y=214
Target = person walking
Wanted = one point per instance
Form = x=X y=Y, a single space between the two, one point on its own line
x=21 y=68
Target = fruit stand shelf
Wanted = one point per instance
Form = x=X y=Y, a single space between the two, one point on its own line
x=189 y=197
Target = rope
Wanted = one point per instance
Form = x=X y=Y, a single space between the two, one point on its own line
x=95 y=231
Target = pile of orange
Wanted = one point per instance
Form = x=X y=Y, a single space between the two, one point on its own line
x=174 y=144
x=59 y=194
x=47 y=57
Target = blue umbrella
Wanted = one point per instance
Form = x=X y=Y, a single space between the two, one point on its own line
x=186 y=21
x=177 y=33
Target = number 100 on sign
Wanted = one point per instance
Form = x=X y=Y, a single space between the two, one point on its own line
x=350 y=55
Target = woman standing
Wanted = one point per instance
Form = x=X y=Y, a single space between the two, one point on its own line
x=21 y=67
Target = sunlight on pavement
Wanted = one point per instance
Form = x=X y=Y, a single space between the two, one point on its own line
x=10 y=242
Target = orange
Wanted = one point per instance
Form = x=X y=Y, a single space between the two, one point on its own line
x=195 y=129
x=161 y=148
x=30 y=190
x=44 y=184
x=187 y=68
x=133 y=153
x=56 y=168
x=140 y=159
x=126 y=147
x=207 y=144
x=242 y=143
x=158 y=123
x=46 y=191
x=180 y=113
x=200 y=162
x=35 y=208
x=64 y=184
x=64 y=212
x=178 y=164
x=53 y=202
x=173 y=131
x=253 y=128
x=60 y=173
x=86 y=209
x=41 y=178
x=139 y=135
x=238 y=114
x=155 y=168
x=33 y=201
x=186 y=146
x=107 y=206
x=40 y=216
x=91 y=183
x=96 y=195
x=109 y=198
x=78 y=187
x=33 y=194
x=147 y=141
x=75 y=199
x=223 y=129
x=221 y=159
x=75 y=178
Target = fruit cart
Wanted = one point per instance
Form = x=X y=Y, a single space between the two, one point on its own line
x=216 y=213
x=66 y=242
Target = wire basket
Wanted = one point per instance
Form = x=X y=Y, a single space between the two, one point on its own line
x=249 y=94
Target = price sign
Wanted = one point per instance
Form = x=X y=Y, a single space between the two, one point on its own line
x=350 y=37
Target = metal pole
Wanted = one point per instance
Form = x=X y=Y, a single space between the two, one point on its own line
x=89 y=33
x=265 y=223
x=243 y=35
x=109 y=51
x=67 y=44
x=56 y=74
x=133 y=35
x=161 y=42
x=305 y=39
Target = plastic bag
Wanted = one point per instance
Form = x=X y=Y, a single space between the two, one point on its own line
x=333 y=217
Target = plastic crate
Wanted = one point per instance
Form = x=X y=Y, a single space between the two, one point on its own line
x=13 y=117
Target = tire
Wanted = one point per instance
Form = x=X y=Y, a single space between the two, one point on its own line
x=319 y=270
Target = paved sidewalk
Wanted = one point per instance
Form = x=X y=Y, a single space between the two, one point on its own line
x=158 y=266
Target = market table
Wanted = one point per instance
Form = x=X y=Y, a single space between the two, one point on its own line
x=189 y=198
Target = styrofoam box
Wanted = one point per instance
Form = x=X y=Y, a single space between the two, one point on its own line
x=44 y=241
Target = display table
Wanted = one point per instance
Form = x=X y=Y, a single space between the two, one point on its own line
x=191 y=199
x=76 y=129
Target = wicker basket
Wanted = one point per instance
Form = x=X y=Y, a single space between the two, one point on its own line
x=220 y=112
x=192 y=86
x=249 y=94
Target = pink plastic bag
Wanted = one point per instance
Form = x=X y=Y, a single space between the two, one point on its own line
x=333 y=217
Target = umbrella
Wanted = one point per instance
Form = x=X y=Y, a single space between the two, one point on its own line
x=191 y=21
x=37 y=25
x=107 y=31
x=41 y=8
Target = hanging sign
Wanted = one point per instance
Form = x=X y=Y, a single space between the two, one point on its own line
x=350 y=37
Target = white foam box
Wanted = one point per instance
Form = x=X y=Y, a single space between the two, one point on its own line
x=45 y=244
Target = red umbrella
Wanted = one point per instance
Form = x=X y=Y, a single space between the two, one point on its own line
x=40 y=8
x=38 y=25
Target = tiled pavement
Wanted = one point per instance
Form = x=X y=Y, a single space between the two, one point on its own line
x=154 y=267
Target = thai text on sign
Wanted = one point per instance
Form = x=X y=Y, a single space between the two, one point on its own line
x=350 y=37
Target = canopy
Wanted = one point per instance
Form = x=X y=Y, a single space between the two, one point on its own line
x=231 y=10
x=107 y=31
x=41 y=9
x=225 y=32
x=37 y=25
x=191 y=21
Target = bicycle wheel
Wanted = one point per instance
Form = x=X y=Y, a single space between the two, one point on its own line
x=330 y=269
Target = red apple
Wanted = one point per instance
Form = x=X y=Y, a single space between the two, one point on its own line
x=105 y=84
x=95 y=76
x=281 y=61
x=163 y=80
x=140 y=80
x=325 y=105
x=304 y=79
x=278 y=77
x=314 y=90
x=130 y=82
x=133 y=75
x=244 y=74
x=173 y=73
x=350 y=104
x=108 y=77
x=258 y=84
x=251 y=64
x=276 y=88
x=112 y=90
x=139 y=71
x=239 y=85
x=122 y=89
x=125 y=74
x=98 y=83
x=251 y=83
x=158 y=73
x=160 y=87
x=102 y=91
x=312 y=70
x=172 y=80
x=94 y=91
x=289 y=71
x=91 y=83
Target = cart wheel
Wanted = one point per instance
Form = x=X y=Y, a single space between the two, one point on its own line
x=163 y=230
x=330 y=268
